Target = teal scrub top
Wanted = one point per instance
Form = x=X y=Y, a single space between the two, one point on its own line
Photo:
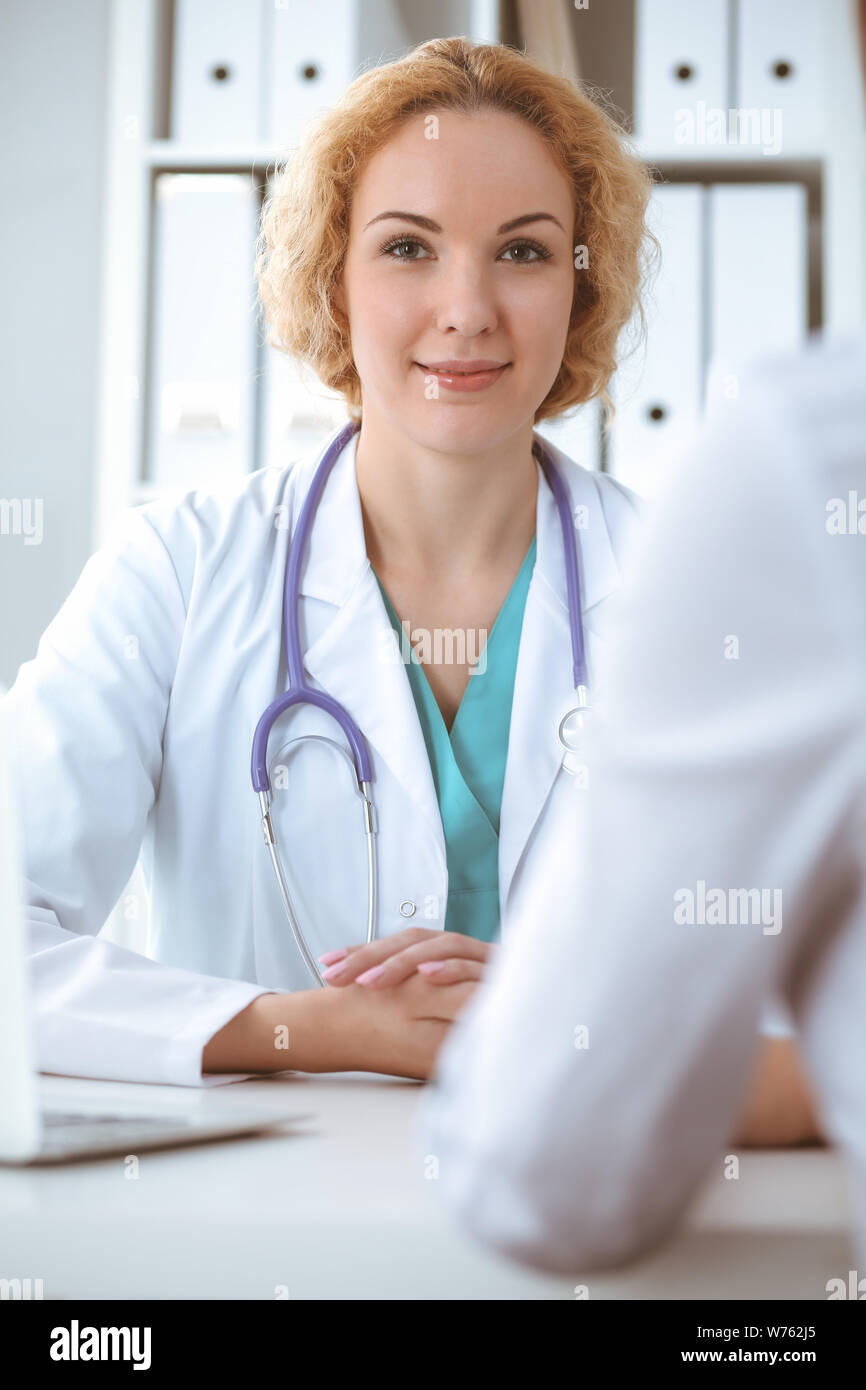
x=468 y=765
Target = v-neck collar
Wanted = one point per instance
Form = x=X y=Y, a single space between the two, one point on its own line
x=454 y=758
x=506 y=604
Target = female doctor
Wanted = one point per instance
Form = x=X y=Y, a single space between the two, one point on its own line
x=455 y=247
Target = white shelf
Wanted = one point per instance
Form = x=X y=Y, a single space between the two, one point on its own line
x=170 y=154
x=709 y=156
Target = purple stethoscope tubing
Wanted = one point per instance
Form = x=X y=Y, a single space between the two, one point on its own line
x=572 y=573
x=299 y=692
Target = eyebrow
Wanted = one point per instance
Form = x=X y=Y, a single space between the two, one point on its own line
x=432 y=226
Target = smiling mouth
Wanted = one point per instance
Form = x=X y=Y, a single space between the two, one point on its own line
x=448 y=371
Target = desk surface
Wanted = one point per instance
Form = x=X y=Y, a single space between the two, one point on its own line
x=339 y=1208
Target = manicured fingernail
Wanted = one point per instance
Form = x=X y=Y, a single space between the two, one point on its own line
x=333 y=970
x=330 y=956
x=431 y=966
x=370 y=975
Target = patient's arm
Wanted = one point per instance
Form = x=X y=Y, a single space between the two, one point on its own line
x=779 y=1105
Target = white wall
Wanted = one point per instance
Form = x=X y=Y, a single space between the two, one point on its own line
x=52 y=100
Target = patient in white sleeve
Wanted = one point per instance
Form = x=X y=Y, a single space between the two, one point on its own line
x=717 y=857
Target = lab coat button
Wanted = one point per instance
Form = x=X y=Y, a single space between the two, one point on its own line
x=407 y=908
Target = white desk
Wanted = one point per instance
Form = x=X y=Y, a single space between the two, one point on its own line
x=340 y=1209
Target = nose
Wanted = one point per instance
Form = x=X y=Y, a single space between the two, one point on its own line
x=465 y=297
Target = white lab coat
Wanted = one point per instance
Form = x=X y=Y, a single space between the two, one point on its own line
x=595 y=1077
x=132 y=728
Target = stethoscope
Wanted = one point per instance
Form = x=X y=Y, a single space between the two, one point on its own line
x=357 y=756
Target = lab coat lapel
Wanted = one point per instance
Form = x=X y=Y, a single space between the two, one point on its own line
x=356 y=659
x=544 y=685
x=348 y=658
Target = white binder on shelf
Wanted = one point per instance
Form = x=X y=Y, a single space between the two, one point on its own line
x=781 y=68
x=314 y=50
x=297 y=410
x=657 y=390
x=201 y=385
x=681 y=61
x=758 y=275
x=216 y=71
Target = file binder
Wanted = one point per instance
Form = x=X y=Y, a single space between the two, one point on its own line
x=314 y=50
x=749 y=73
x=681 y=61
x=297 y=409
x=657 y=390
x=216 y=71
x=758 y=276
x=201 y=404
x=246 y=71
x=781 y=66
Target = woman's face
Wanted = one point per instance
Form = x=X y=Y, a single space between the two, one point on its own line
x=470 y=287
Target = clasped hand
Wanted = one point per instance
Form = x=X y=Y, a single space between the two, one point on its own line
x=443 y=957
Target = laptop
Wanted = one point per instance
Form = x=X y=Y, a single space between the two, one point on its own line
x=34 y=1133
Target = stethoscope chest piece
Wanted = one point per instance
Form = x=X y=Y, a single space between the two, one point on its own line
x=571 y=732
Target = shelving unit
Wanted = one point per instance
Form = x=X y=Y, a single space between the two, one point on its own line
x=830 y=167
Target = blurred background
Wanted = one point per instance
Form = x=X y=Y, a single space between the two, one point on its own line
x=140 y=135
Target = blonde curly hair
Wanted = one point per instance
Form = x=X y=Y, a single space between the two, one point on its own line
x=304 y=229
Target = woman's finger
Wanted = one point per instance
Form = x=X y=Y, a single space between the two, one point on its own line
x=345 y=964
x=397 y=968
x=451 y=972
x=384 y=963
